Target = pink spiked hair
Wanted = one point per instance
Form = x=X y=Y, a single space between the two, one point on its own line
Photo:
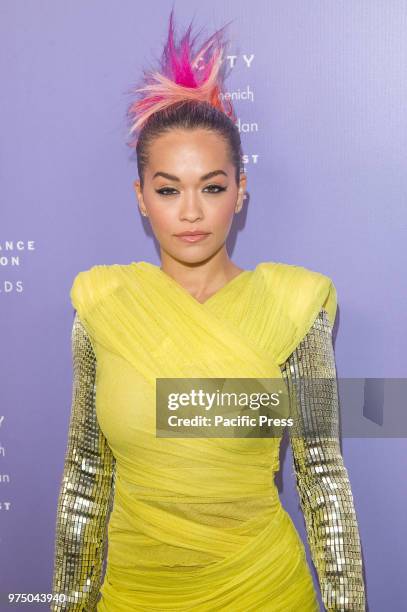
x=184 y=74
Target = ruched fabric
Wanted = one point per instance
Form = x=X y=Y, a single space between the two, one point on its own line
x=197 y=523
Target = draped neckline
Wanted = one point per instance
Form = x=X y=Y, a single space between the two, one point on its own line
x=175 y=284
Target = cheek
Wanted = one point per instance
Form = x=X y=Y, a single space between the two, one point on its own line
x=222 y=215
x=161 y=218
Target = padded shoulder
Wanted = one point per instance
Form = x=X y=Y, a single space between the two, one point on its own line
x=92 y=285
x=298 y=295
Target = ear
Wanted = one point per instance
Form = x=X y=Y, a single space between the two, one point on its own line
x=241 y=192
x=139 y=196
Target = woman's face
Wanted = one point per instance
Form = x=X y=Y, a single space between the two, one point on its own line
x=190 y=185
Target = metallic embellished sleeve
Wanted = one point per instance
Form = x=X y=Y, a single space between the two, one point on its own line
x=86 y=491
x=321 y=477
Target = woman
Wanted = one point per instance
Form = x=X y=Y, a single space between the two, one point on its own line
x=197 y=523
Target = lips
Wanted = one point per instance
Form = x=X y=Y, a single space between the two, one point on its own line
x=192 y=234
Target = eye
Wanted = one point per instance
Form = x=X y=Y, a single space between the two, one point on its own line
x=218 y=187
x=163 y=191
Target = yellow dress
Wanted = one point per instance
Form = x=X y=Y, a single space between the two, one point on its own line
x=196 y=523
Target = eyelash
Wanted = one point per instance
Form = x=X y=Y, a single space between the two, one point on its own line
x=160 y=191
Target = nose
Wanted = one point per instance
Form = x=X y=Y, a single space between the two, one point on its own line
x=190 y=208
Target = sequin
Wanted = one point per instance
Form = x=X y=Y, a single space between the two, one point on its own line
x=321 y=477
x=86 y=491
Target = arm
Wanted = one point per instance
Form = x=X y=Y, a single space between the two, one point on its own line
x=321 y=477
x=86 y=491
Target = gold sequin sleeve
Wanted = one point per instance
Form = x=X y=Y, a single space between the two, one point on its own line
x=321 y=477
x=86 y=491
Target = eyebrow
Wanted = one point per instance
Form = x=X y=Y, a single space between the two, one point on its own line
x=172 y=177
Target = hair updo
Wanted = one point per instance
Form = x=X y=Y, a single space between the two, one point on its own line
x=184 y=93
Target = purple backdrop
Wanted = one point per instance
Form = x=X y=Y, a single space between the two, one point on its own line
x=320 y=96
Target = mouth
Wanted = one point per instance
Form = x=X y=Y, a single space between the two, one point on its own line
x=192 y=236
